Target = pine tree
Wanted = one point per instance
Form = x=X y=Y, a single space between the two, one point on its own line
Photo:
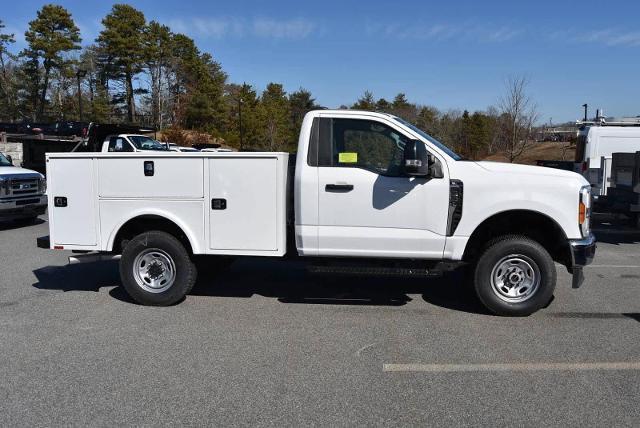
x=300 y=103
x=50 y=35
x=7 y=76
x=158 y=47
x=274 y=118
x=365 y=102
x=121 y=43
x=198 y=87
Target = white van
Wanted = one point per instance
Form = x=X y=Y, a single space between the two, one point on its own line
x=594 y=147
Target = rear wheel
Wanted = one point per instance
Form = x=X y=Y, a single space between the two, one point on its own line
x=515 y=276
x=156 y=269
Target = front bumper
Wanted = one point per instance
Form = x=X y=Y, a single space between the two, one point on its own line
x=24 y=207
x=582 y=253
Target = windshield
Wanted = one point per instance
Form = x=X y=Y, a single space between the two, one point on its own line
x=145 y=143
x=429 y=138
x=4 y=161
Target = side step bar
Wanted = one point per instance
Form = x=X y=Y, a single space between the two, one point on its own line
x=92 y=258
x=361 y=270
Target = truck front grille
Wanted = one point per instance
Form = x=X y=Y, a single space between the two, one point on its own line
x=23 y=187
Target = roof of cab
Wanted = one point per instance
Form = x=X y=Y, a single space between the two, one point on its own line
x=352 y=112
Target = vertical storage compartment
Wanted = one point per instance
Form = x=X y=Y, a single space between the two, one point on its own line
x=72 y=202
x=247 y=204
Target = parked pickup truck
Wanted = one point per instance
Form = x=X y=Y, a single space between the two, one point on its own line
x=132 y=143
x=21 y=192
x=368 y=193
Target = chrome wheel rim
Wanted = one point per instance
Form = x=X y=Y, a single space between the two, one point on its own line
x=515 y=278
x=154 y=270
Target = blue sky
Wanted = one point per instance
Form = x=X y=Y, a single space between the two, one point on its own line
x=449 y=54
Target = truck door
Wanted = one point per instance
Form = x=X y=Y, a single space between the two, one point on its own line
x=367 y=205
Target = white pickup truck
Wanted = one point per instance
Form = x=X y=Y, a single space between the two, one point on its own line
x=368 y=192
x=122 y=143
x=22 y=192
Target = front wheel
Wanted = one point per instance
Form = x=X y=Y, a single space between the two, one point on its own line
x=515 y=276
x=156 y=269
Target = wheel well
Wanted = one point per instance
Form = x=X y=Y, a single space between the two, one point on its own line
x=146 y=223
x=531 y=224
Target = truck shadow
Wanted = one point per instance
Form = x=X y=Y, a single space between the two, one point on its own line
x=288 y=282
x=80 y=277
x=16 y=224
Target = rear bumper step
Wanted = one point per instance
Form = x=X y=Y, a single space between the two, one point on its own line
x=43 y=242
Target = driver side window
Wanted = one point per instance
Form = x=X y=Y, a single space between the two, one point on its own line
x=118 y=144
x=366 y=144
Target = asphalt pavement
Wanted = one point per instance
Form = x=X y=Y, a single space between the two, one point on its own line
x=268 y=344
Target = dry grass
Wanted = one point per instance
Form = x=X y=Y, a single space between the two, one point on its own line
x=547 y=150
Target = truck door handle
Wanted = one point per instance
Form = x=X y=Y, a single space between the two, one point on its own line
x=338 y=187
x=218 y=204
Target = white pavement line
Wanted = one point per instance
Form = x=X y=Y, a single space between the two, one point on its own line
x=614 y=266
x=504 y=367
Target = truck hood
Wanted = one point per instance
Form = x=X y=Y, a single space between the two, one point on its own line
x=510 y=168
x=13 y=170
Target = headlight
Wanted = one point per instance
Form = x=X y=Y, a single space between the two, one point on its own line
x=42 y=185
x=4 y=187
x=584 y=210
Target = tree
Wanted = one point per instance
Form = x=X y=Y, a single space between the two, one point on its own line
x=158 y=46
x=121 y=42
x=96 y=83
x=52 y=33
x=382 y=105
x=274 y=118
x=300 y=103
x=242 y=97
x=7 y=82
x=519 y=114
x=403 y=108
x=365 y=102
x=198 y=86
x=427 y=119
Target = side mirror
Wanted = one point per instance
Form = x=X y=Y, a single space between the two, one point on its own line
x=416 y=159
x=10 y=159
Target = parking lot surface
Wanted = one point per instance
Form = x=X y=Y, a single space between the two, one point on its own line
x=268 y=344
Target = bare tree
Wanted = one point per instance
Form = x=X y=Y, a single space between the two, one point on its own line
x=518 y=115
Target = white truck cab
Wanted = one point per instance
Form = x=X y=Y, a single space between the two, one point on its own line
x=123 y=143
x=22 y=192
x=368 y=192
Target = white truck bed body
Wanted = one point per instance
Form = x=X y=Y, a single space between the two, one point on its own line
x=105 y=190
x=601 y=142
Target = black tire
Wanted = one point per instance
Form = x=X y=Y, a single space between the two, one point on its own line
x=184 y=271
x=518 y=253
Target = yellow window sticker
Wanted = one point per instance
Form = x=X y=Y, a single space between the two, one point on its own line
x=348 y=157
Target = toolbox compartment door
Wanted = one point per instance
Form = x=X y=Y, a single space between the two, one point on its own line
x=243 y=209
x=72 y=202
x=151 y=177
